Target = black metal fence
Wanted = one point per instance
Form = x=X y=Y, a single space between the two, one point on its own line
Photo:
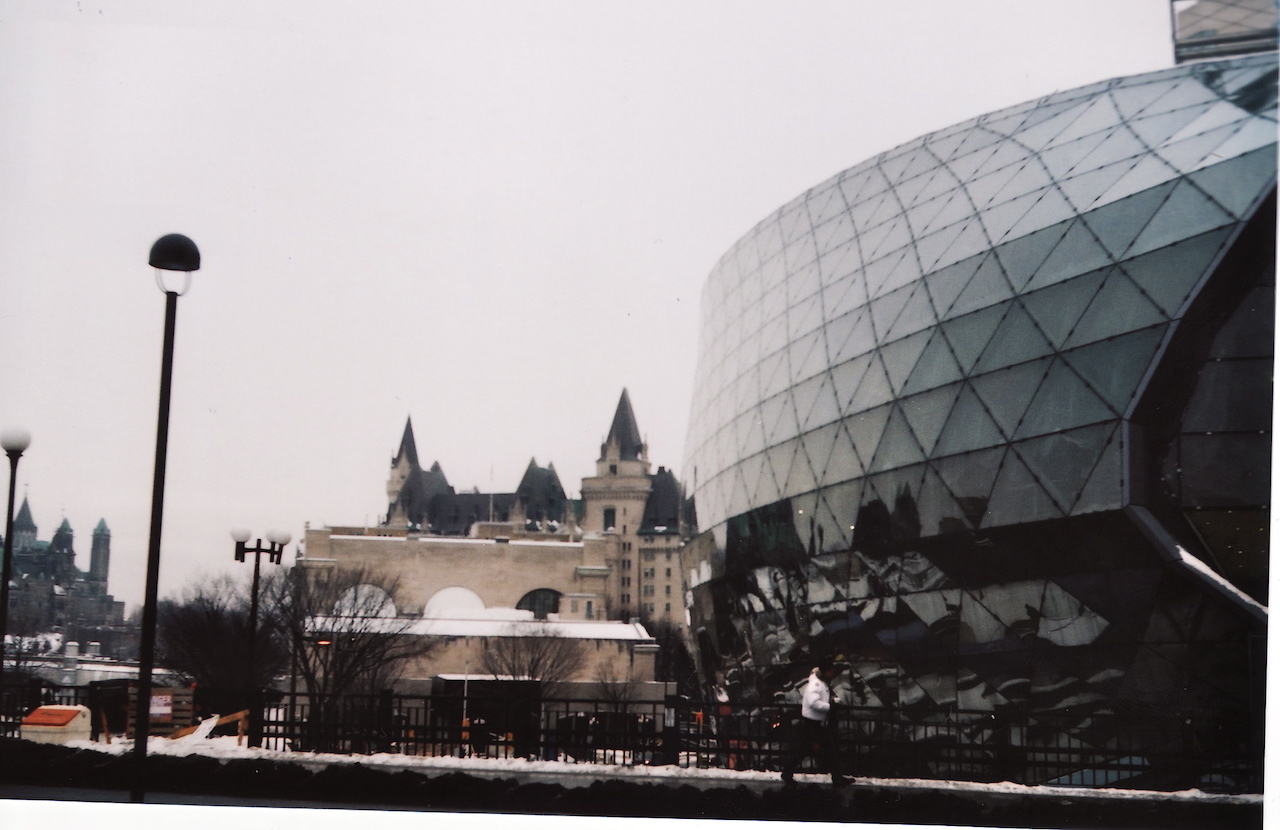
x=1138 y=750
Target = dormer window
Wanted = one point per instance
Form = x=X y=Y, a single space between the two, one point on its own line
x=613 y=469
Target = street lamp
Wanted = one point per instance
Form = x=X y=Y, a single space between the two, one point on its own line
x=14 y=442
x=171 y=253
x=276 y=540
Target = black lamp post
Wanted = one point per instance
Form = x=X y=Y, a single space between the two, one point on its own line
x=14 y=442
x=173 y=252
x=276 y=540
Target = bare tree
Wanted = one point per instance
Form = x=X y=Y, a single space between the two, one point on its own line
x=535 y=651
x=617 y=689
x=343 y=628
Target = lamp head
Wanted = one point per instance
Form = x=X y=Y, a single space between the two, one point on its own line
x=175 y=252
x=240 y=534
x=15 y=441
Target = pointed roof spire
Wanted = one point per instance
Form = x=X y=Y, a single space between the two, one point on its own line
x=24 y=520
x=625 y=432
x=408 y=448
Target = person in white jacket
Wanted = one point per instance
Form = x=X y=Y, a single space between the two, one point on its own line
x=815 y=735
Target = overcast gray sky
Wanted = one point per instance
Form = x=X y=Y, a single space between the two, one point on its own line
x=489 y=216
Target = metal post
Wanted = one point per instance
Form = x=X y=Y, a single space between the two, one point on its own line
x=255 y=696
x=146 y=653
x=6 y=569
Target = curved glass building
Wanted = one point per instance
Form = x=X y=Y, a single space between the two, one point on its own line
x=987 y=417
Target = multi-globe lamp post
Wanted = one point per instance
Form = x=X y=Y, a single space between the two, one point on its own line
x=15 y=443
x=274 y=549
x=171 y=255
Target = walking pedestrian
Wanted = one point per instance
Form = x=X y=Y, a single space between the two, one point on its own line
x=816 y=735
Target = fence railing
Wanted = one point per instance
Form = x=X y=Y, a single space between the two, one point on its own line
x=1098 y=750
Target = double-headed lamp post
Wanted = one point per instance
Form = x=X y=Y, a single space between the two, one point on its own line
x=276 y=540
x=171 y=253
x=15 y=443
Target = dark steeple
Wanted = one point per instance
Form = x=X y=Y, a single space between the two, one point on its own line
x=625 y=432
x=24 y=528
x=408 y=448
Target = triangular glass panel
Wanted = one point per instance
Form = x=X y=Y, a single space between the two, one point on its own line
x=900 y=358
x=1057 y=309
x=818 y=445
x=971 y=240
x=1084 y=188
x=966 y=166
x=865 y=430
x=1016 y=340
x=825 y=407
x=1017 y=498
x=1131 y=99
x=754 y=440
x=894 y=167
x=1118 y=223
x=1150 y=171
x=931 y=248
x=976 y=140
x=832 y=235
x=941 y=181
x=860 y=337
x=922 y=160
x=769 y=490
x=984 y=189
x=775 y=374
x=1061 y=159
x=909 y=190
x=936 y=366
x=1114 y=367
x=844 y=296
x=1038 y=135
x=825 y=204
x=1105 y=488
x=873 y=211
x=800 y=478
x=1099 y=115
x=946 y=284
x=1063 y=402
x=1052 y=208
x=978 y=625
x=1167 y=275
x=1237 y=183
x=939 y=511
x=1032 y=177
x=1188 y=92
x=1119 y=307
x=1008 y=392
x=874 y=388
x=858 y=185
x=1022 y=257
x=969 y=335
x=1063 y=461
x=804 y=316
x=1078 y=252
x=1187 y=154
x=1252 y=135
x=898 y=236
x=898 y=445
x=739 y=500
x=916 y=315
x=1119 y=145
x=799 y=254
x=778 y=416
x=970 y=478
x=999 y=219
x=927 y=412
x=846 y=376
x=843 y=462
x=1157 y=129
x=885 y=311
x=1187 y=212
x=877 y=273
x=794 y=222
x=803 y=395
x=988 y=287
x=905 y=270
x=969 y=427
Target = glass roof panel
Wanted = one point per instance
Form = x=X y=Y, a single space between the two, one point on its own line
x=969 y=427
x=946 y=284
x=984 y=189
x=1084 y=188
x=969 y=335
x=1254 y=133
x=1167 y=275
x=932 y=247
x=1017 y=339
x=905 y=268
x=1156 y=129
x=970 y=478
x=832 y=234
x=1077 y=253
x=1017 y=498
x=1186 y=212
x=1185 y=92
x=865 y=429
x=800 y=476
x=1008 y=392
x=1052 y=208
x=808 y=356
x=1022 y=257
x=824 y=408
x=1063 y=402
x=1236 y=184
x=1119 y=145
x=842 y=462
x=1104 y=489
x=886 y=309
x=998 y=220
x=898 y=445
x=1057 y=309
x=926 y=413
x=971 y=240
x=966 y=166
x=988 y=287
x=874 y=388
x=1059 y=160
x=900 y=357
x=860 y=339
x=1117 y=224
x=1131 y=99
x=1187 y=154
x=956 y=209
x=1149 y=172
x=799 y=252
x=936 y=366
x=846 y=376
x=916 y=315
x=1100 y=114
x=1063 y=462
x=825 y=204
x=803 y=316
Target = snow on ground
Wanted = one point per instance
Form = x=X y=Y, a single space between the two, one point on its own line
x=572 y=774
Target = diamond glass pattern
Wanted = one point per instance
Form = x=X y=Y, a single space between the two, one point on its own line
x=938 y=394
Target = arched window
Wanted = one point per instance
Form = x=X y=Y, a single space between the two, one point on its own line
x=541 y=601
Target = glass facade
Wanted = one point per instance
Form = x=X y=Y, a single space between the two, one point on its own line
x=987 y=417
